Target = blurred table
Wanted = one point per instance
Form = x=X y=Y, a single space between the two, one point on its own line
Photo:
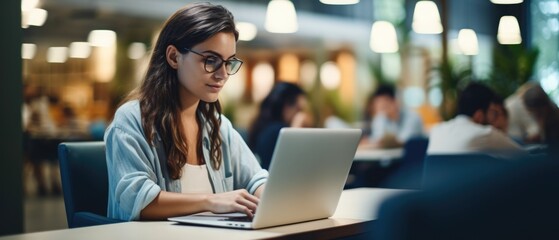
x=371 y=155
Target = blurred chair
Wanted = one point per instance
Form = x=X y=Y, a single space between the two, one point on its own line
x=409 y=172
x=517 y=200
x=83 y=170
x=441 y=169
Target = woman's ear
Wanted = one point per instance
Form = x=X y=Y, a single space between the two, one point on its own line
x=172 y=55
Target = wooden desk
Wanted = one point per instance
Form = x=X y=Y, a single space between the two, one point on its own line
x=356 y=208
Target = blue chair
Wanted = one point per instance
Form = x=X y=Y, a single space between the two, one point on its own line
x=441 y=169
x=83 y=170
x=408 y=173
x=506 y=199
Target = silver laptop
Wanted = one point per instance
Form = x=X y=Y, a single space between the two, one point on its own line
x=307 y=175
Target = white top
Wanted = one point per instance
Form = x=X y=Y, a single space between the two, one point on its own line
x=409 y=125
x=521 y=122
x=195 y=179
x=462 y=135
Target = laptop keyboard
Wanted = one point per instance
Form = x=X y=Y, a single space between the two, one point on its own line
x=238 y=219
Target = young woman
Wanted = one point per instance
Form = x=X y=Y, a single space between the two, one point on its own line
x=169 y=150
x=283 y=107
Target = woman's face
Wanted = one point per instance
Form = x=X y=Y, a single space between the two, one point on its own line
x=196 y=82
x=289 y=111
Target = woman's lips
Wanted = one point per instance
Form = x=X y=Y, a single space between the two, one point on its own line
x=214 y=87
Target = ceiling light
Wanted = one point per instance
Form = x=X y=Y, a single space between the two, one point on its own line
x=467 y=42
x=383 y=37
x=330 y=75
x=57 y=54
x=28 y=50
x=36 y=16
x=136 y=50
x=247 y=31
x=426 y=18
x=339 y=2
x=27 y=5
x=509 y=31
x=80 y=50
x=281 y=17
x=102 y=38
x=507 y=1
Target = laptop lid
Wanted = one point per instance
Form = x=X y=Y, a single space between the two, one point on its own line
x=307 y=175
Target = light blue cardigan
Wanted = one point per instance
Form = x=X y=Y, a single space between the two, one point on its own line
x=135 y=175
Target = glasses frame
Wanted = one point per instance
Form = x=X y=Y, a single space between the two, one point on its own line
x=220 y=64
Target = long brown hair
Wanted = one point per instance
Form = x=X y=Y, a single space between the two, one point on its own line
x=159 y=92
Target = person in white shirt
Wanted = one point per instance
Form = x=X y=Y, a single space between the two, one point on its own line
x=469 y=131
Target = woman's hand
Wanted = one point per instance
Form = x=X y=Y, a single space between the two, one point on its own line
x=234 y=201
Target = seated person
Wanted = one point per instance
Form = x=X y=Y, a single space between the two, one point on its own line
x=522 y=126
x=470 y=131
x=170 y=151
x=284 y=106
x=497 y=115
x=546 y=113
x=391 y=125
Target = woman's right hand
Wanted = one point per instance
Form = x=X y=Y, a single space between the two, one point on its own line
x=234 y=201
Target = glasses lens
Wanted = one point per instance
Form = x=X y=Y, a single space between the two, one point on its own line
x=233 y=66
x=212 y=64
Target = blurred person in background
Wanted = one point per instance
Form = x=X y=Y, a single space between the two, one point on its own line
x=40 y=131
x=546 y=113
x=285 y=106
x=390 y=125
x=522 y=126
x=470 y=131
x=497 y=115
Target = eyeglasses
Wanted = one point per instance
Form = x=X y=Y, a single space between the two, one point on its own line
x=213 y=63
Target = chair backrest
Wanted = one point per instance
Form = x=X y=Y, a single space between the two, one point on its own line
x=414 y=150
x=444 y=168
x=409 y=171
x=83 y=170
x=516 y=200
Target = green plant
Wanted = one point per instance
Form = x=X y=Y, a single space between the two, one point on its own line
x=513 y=65
x=451 y=80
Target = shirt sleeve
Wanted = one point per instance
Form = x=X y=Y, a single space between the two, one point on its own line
x=132 y=178
x=412 y=126
x=379 y=126
x=247 y=172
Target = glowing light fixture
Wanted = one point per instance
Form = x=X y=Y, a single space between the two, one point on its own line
x=102 y=38
x=330 y=75
x=57 y=54
x=37 y=17
x=308 y=73
x=507 y=1
x=247 y=31
x=508 y=32
x=136 y=50
x=80 y=50
x=383 y=37
x=27 y=5
x=281 y=17
x=263 y=81
x=426 y=18
x=467 y=42
x=33 y=17
x=28 y=50
x=339 y=2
